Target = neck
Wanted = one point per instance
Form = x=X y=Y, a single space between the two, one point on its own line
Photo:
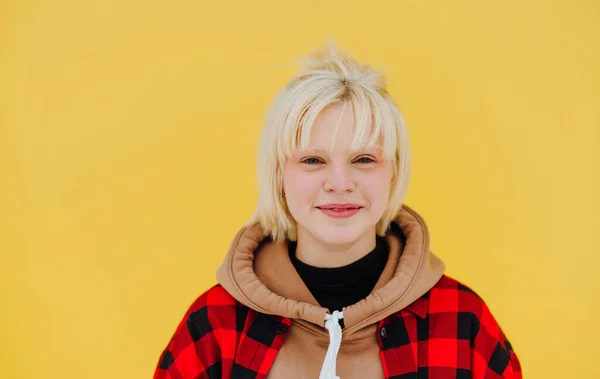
x=318 y=253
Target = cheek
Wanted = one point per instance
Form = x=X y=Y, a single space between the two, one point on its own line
x=300 y=185
x=377 y=186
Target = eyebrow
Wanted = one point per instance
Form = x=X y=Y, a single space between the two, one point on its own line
x=315 y=149
x=319 y=150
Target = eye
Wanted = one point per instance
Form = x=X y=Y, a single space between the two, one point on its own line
x=311 y=160
x=365 y=160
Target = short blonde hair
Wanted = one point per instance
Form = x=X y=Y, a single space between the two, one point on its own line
x=328 y=77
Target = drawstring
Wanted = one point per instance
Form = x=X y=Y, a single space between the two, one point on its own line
x=335 y=340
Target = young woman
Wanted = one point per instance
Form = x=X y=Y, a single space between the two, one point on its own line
x=332 y=277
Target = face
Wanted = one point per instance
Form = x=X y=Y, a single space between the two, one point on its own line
x=329 y=173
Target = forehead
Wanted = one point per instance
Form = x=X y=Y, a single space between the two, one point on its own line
x=332 y=120
x=333 y=130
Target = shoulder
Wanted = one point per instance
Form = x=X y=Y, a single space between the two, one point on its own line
x=452 y=295
x=213 y=309
x=453 y=300
x=214 y=297
x=207 y=329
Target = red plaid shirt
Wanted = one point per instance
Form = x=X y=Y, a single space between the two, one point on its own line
x=448 y=332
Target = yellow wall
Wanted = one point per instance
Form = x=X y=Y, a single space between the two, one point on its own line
x=128 y=131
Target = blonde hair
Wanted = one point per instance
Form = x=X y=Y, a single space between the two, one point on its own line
x=328 y=77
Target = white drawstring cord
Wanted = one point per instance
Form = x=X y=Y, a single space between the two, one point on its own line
x=335 y=340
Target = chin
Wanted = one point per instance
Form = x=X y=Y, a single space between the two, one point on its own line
x=338 y=235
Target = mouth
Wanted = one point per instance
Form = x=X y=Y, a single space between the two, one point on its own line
x=340 y=212
x=338 y=208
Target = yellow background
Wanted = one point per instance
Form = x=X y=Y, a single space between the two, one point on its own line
x=128 y=136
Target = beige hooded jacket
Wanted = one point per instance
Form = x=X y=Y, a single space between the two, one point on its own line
x=258 y=273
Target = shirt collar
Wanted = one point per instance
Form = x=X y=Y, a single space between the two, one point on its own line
x=419 y=307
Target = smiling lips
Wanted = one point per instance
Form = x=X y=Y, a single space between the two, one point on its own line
x=340 y=210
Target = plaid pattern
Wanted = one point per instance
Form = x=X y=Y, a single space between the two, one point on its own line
x=447 y=333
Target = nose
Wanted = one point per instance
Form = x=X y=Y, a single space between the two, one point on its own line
x=339 y=179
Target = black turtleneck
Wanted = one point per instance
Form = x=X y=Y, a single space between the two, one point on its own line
x=338 y=287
